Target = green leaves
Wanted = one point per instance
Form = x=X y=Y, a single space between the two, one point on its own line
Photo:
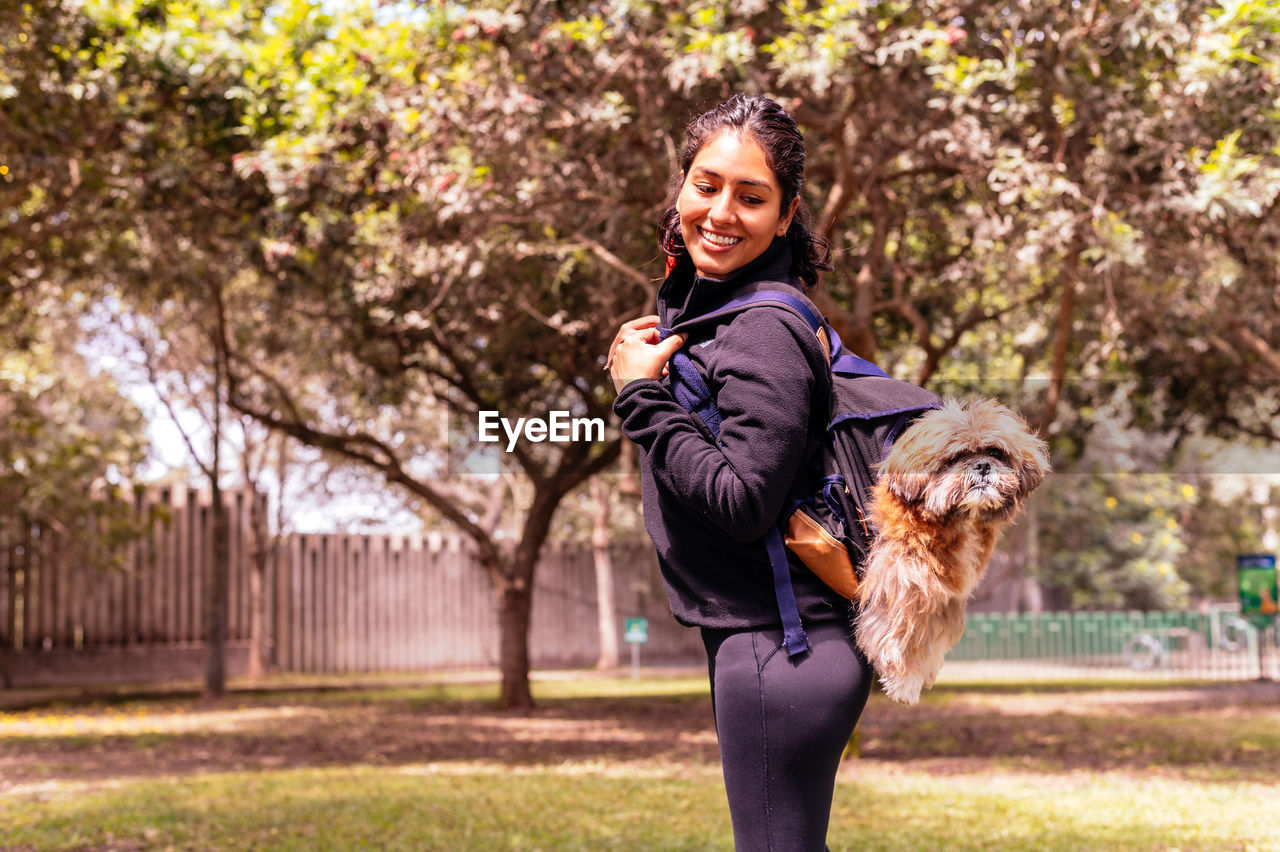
x=69 y=440
x=1231 y=181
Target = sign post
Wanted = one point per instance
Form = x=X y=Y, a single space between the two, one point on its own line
x=1259 y=596
x=636 y=634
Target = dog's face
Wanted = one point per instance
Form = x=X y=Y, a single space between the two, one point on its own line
x=975 y=458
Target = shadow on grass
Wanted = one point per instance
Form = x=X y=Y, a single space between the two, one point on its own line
x=1107 y=685
x=1227 y=730
x=1212 y=732
x=296 y=729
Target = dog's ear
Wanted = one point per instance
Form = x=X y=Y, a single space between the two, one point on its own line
x=907 y=485
x=1026 y=450
x=912 y=461
x=921 y=451
x=1033 y=465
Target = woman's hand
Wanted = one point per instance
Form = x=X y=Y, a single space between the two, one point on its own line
x=637 y=353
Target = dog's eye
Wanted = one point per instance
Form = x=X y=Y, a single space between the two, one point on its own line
x=998 y=454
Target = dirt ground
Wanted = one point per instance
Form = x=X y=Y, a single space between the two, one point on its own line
x=1180 y=730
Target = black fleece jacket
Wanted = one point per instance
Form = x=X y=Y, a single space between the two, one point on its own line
x=707 y=505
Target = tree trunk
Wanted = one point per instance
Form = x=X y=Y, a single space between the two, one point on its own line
x=515 y=598
x=256 y=668
x=856 y=327
x=515 y=607
x=605 y=595
x=1034 y=598
x=1061 y=340
x=258 y=554
x=628 y=476
x=215 y=602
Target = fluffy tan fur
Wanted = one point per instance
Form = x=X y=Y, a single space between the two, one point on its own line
x=948 y=486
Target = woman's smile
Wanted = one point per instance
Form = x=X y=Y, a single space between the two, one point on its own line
x=719 y=240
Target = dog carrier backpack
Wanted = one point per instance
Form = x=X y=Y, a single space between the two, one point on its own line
x=825 y=529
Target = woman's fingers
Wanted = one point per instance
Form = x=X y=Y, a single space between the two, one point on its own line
x=650 y=321
x=642 y=355
x=666 y=348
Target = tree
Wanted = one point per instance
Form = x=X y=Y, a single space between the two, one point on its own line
x=70 y=442
x=123 y=191
x=1218 y=529
x=433 y=311
x=606 y=600
x=191 y=214
x=188 y=372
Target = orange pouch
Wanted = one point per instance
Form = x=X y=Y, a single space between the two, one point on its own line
x=822 y=553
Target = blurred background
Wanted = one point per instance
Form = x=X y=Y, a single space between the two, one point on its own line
x=264 y=263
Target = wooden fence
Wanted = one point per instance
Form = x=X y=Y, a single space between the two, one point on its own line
x=374 y=603
x=333 y=603
x=56 y=593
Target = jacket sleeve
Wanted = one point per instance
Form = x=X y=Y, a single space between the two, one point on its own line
x=764 y=387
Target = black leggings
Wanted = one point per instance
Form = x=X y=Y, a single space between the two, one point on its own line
x=783 y=724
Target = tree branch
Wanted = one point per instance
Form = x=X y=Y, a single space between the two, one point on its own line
x=369 y=450
x=610 y=259
x=1269 y=357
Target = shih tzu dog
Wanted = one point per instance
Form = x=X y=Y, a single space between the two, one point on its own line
x=950 y=483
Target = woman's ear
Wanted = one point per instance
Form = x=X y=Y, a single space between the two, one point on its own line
x=784 y=224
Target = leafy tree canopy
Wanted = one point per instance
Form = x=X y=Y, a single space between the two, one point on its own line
x=394 y=216
x=70 y=442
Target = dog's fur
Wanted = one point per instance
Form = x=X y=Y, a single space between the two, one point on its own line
x=950 y=483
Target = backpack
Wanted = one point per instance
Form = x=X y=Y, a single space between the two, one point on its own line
x=826 y=529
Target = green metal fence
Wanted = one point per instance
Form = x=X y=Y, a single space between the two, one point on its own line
x=1217 y=644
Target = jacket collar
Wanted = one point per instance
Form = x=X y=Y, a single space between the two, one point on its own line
x=684 y=293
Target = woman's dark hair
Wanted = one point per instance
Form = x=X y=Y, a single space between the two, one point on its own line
x=775 y=131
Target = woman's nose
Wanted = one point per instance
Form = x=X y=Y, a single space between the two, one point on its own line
x=722 y=208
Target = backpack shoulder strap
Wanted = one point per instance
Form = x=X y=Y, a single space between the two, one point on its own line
x=759 y=293
x=772 y=293
x=690 y=389
x=842 y=361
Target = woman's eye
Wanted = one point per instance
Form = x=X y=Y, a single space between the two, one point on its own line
x=752 y=200
x=704 y=188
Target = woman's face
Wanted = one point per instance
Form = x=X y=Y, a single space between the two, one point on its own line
x=730 y=205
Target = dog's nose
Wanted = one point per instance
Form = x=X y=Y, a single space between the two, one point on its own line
x=982 y=467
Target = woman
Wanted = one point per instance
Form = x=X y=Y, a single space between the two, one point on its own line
x=782 y=721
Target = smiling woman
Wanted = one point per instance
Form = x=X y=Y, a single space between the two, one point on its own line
x=736 y=224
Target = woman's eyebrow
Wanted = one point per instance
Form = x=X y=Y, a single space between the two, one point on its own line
x=717 y=176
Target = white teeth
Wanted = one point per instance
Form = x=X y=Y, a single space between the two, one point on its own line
x=718 y=240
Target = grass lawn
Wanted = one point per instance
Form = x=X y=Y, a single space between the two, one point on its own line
x=607 y=763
